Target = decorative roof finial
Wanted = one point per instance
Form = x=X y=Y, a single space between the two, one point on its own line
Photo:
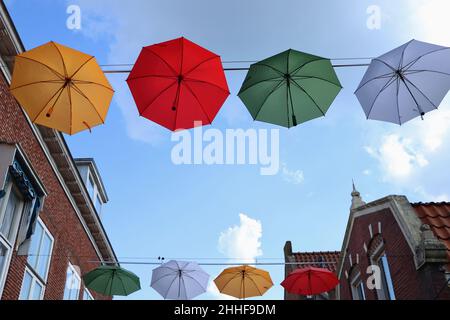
x=357 y=201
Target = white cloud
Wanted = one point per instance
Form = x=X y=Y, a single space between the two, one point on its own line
x=242 y=241
x=367 y=172
x=292 y=176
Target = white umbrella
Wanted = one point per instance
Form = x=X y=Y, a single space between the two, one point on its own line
x=406 y=82
x=180 y=280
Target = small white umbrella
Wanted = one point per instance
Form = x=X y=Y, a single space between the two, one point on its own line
x=179 y=280
x=406 y=82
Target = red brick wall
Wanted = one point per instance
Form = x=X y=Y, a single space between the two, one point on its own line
x=408 y=282
x=71 y=243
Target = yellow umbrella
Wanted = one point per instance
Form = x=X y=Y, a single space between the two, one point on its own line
x=243 y=282
x=61 y=88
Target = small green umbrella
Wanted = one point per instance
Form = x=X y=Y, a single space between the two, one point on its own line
x=289 y=88
x=112 y=281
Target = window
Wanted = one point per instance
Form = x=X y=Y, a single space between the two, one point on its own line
x=90 y=186
x=357 y=287
x=11 y=205
x=87 y=295
x=387 y=288
x=38 y=262
x=73 y=282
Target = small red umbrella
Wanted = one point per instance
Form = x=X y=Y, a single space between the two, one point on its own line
x=310 y=281
x=177 y=82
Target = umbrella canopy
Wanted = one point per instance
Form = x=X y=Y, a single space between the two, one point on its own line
x=179 y=280
x=243 y=282
x=310 y=281
x=406 y=82
x=178 y=84
x=289 y=88
x=61 y=88
x=112 y=281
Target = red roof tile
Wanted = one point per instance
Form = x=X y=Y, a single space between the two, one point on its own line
x=437 y=216
x=320 y=259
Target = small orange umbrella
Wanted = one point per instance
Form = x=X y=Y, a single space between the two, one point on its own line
x=61 y=88
x=243 y=282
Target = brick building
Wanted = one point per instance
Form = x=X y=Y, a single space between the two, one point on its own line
x=406 y=244
x=50 y=203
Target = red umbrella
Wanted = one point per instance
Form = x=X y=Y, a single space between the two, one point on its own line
x=310 y=281
x=177 y=82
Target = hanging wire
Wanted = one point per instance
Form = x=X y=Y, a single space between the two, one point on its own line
x=345 y=65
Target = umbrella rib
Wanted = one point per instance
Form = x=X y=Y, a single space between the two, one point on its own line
x=70 y=108
x=196 y=98
x=164 y=61
x=318 y=78
x=385 y=63
x=62 y=59
x=268 y=66
x=267 y=97
x=311 y=98
x=423 y=94
x=419 y=71
x=166 y=275
x=256 y=83
x=58 y=92
x=382 y=76
x=152 y=76
x=80 y=67
x=170 y=286
x=256 y=286
x=91 y=82
x=188 y=276
x=206 y=82
x=154 y=99
x=199 y=64
x=228 y=282
x=37 y=82
x=51 y=69
x=89 y=100
x=123 y=286
x=378 y=94
x=403 y=54
x=410 y=64
x=306 y=63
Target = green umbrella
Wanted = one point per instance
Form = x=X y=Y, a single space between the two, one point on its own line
x=112 y=281
x=289 y=88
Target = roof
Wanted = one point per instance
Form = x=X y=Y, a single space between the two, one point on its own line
x=437 y=216
x=329 y=259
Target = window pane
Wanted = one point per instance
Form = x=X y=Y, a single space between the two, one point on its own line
x=69 y=279
x=34 y=247
x=44 y=257
x=37 y=290
x=72 y=288
x=8 y=218
x=86 y=295
x=90 y=187
x=26 y=286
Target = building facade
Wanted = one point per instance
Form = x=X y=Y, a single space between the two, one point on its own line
x=50 y=227
x=392 y=249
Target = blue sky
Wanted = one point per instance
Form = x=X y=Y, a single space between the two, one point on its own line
x=159 y=209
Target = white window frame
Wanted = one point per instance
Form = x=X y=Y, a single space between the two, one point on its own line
x=88 y=293
x=387 y=286
x=357 y=286
x=95 y=193
x=34 y=279
x=76 y=276
x=34 y=275
x=15 y=227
